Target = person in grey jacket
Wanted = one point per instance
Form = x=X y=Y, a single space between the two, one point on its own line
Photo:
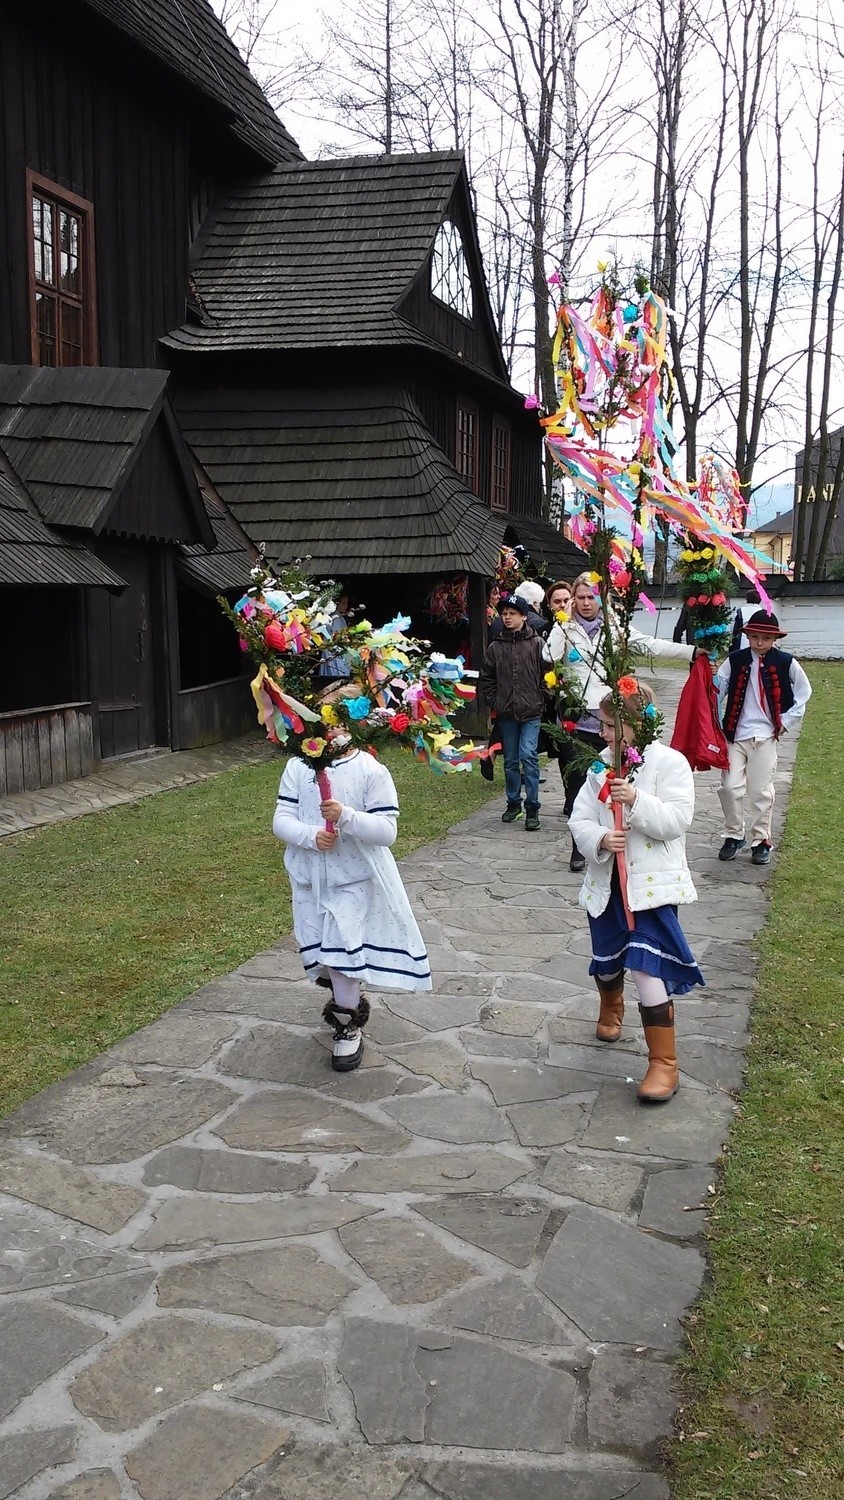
x=510 y=685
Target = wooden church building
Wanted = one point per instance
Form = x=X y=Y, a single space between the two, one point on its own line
x=209 y=343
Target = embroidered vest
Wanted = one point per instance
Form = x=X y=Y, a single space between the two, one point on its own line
x=776 y=685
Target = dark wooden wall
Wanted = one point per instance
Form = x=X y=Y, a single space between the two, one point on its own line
x=88 y=116
x=153 y=502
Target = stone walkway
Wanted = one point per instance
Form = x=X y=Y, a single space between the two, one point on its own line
x=127 y=780
x=457 y=1274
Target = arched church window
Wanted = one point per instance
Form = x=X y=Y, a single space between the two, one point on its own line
x=450 y=279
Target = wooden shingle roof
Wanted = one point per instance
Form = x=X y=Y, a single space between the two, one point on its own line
x=187 y=37
x=359 y=486
x=552 y=554
x=73 y=436
x=320 y=253
x=226 y=568
x=32 y=554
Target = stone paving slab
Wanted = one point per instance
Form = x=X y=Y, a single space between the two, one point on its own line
x=460 y=1273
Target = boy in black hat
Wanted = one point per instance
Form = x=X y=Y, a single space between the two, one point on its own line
x=511 y=682
x=766 y=694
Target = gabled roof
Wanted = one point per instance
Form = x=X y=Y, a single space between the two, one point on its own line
x=779 y=525
x=30 y=553
x=359 y=486
x=186 y=37
x=320 y=253
x=228 y=566
x=74 y=435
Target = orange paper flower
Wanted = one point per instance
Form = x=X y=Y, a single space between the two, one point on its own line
x=627 y=685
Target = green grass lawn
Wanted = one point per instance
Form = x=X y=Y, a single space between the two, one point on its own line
x=110 y=919
x=764 y=1413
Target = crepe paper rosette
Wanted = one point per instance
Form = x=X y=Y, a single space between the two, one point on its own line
x=321 y=688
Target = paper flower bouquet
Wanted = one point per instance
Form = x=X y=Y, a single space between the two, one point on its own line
x=324 y=686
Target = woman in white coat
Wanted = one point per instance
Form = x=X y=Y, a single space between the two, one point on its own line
x=658 y=810
x=578 y=642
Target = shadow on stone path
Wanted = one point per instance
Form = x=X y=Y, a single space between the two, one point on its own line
x=460 y=1272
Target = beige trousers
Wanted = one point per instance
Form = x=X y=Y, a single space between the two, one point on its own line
x=750 y=778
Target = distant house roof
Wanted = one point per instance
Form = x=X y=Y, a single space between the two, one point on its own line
x=32 y=554
x=186 y=37
x=319 y=254
x=355 y=483
x=779 y=526
x=551 y=553
x=73 y=436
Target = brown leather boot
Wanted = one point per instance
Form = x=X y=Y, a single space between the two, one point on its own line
x=611 y=1014
x=662 y=1079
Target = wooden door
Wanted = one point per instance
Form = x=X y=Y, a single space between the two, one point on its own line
x=121 y=652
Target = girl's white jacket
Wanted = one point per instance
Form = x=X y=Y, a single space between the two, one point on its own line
x=582 y=655
x=656 y=823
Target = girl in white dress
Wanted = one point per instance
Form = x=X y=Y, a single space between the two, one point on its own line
x=351 y=916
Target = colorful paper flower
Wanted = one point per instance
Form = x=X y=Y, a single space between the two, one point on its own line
x=649 y=711
x=357 y=708
x=274 y=636
x=627 y=685
x=569 y=726
x=562 y=617
x=313 y=747
x=531 y=403
x=400 y=723
x=632 y=756
x=598 y=767
x=550 y=679
x=328 y=714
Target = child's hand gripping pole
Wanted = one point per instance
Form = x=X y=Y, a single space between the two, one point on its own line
x=325 y=793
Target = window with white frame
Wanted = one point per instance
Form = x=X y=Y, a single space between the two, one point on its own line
x=450 y=279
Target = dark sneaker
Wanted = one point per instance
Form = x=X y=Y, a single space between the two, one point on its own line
x=512 y=812
x=531 y=820
x=760 y=854
x=730 y=848
x=577 y=863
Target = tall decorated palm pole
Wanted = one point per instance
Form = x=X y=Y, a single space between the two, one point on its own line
x=612 y=439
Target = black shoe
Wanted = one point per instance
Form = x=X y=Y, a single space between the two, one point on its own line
x=531 y=820
x=487 y=768
x=730 y=848
x=577 y=863
x=542 y=781
x=760 y=854
x=512 y=812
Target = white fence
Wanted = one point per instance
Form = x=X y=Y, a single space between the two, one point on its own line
x=815 y=625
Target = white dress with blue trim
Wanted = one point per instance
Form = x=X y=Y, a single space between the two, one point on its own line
x=350 y=908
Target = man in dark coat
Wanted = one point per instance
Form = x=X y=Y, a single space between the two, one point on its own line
x=511 y=681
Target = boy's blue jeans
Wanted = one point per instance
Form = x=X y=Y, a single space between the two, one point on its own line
x=521 y=752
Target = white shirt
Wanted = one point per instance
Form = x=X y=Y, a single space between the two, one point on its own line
x=755 y=722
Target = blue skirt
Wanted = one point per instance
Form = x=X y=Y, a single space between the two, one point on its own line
x=657 y=945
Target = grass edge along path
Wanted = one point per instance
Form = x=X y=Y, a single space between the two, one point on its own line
x=110 y=919
x=763 y=1406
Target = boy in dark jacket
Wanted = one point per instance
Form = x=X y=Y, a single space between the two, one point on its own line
x=511 y=686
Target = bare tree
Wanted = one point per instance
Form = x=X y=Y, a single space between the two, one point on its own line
x=266 y=46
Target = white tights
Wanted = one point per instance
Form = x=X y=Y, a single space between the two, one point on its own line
x=651 y=989
x=346 y=990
